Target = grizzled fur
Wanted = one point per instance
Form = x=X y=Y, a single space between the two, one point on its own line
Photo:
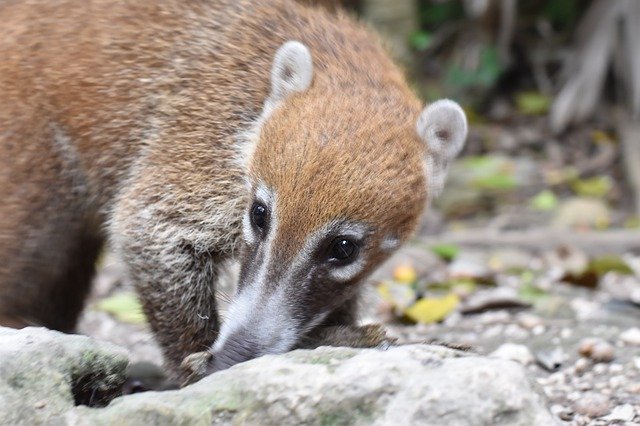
x=141 y=122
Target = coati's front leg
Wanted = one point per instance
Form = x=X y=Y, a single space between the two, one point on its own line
x=174 y=261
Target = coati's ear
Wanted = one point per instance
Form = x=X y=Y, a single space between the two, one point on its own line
x=443 y=127
x=292 y=71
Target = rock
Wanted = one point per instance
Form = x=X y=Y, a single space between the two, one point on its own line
x=631 y=336
x=582 y=212
x=597 y=349
x=551 y=359
x=415 y=384
x=510 y=260
x=592 y=404
x=471 y=265
x=44 y=373
x=514 y=352
x=530 y=321
x=622 y=413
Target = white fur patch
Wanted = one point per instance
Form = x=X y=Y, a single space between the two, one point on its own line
x=389 y=242
x=249 y=310
x=292 y=72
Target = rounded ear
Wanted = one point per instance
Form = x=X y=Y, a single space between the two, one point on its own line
x=292 y=71
x=443 y=128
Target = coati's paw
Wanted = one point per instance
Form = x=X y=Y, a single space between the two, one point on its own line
x=195 y=366
x=367 y=336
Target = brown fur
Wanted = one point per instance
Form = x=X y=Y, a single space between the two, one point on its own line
x=120 y=120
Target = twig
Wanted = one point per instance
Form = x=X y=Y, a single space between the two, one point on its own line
x=592 y=242
x=629 y=131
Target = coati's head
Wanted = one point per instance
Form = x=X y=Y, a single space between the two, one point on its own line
x=338 y=178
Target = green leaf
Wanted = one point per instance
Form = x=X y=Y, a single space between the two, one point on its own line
x=490 y=172
x=123 y=306
x=533 y=103
x=611 y=263
x=485 y=75
x=597 y=187
x=498 y=181
x=447 y=252
x=436 y=13
x=421 y=40
x=529 y=292
x=545 y=201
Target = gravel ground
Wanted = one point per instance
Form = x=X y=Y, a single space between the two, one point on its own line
x=581 y=345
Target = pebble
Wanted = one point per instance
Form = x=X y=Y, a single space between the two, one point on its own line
x=564 y=413
x=551 y=359
x=582 y=365
x=622 y=413
x=538 y=330
x=600 y=369
x=592 y=404
x=529 y=321
x=616 y=381
x=597 y=349
x=514 y=352
x=631 y=336
x=616 y=368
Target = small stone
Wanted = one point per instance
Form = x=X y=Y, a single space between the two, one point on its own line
x=616 y=381
x=40 y=404
x=529 y=321
x=631 y=336
x=581 y=365
x=551 y=359
x=633 y=388
x=566 y=332
x=564 y=413
x=597 y=349
x=514 y=352
x=538 y=330
x=582 y=213
x=600 y=369
x=469 y=265
x=616 y=368
x=592 y=404
x=602 y=352
x=621 y=413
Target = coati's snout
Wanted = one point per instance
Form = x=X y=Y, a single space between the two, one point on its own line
x=287 y=285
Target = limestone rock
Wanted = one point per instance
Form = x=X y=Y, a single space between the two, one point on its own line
x=44 y=373
x=416 y=384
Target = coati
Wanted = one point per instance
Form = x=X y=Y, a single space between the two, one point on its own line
x=189 y=133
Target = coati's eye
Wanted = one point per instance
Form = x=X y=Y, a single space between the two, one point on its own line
x=342 y=251
x=258 y=215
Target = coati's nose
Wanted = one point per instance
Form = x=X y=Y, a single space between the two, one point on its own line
x=236 y=349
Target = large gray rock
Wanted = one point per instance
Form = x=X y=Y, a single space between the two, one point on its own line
x=416 y=384
x=44 y=373
x=47 y=377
